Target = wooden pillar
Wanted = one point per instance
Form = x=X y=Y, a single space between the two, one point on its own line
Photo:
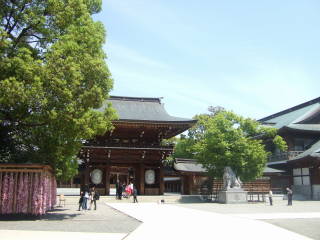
x=82 y=179
x=1 y=182
x=136 y=178
x=107 y=180
x=161 y=180
x=141 y=178
x=86 y=176
x=186 y=184
x=71 y=182
x=190 y=184
x=182 y=184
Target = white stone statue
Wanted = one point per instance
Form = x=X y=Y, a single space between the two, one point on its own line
x=230 y=180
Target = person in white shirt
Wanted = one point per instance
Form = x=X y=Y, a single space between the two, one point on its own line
x=85 y=200
x=270 y=197
x=289 y=193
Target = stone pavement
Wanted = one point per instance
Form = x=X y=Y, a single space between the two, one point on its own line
x=117 y=220
x=168 y=221
x=69 y=223
x=56 y=235
x=303 y=217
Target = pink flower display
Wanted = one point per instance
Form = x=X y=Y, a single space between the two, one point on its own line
x=37 y=188
x=4 y=195
x=19 y=193
x=10 y=194
x=25 y=194
x=54 y=192
x=40 y=209
x=34 y=195
x=49 y=206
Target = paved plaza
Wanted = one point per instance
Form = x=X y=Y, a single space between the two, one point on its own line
x=117 y=220
x=302 y=217
x=68 y=223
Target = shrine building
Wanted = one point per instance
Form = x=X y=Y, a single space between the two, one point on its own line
x=133 y=151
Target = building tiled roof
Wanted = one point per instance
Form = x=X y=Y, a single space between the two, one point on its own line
x=191 y=165
x=143 y=109
x=188 y=165
x=304 y=117
x=313 y=151
x=271 y=170
x=304 y=127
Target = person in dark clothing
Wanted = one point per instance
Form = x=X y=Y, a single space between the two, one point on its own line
x=117 y=190
x=135 y=193
x=81 y=200
x=289 y=193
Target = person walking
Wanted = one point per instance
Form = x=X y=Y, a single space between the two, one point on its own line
x=270 y=197
x=117 y=189
x=128 y=191
x=289 y=194
x=94 y=196
x=131 y=188
x=135 y=193
x=120 y=189
x=81 y=200
x=85 y=200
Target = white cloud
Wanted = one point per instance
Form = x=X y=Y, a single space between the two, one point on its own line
x=173 y=26
x=249 y=75
x=123 y=53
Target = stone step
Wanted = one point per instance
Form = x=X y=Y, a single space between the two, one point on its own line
x=144 y=198
x=157 y=199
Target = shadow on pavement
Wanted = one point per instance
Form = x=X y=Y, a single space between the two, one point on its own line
x=191 y=199
x=51 y=215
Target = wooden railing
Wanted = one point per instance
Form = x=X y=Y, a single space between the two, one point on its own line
x=257 y=190
x=284 y=156
x=131 y=145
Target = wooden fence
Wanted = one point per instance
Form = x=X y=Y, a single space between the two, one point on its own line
x=257 y=190
x=26 y=189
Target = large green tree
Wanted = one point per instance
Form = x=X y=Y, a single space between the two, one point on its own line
x=223 y=138
x=52 y=76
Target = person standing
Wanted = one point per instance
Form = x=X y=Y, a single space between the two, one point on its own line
x=289 y=194
x=81 y=200
x=94 y=196
x=117 y=189
x=120 y=191
x=135 y=193
x=131 y=188
x=85 y=200
x=270 y=197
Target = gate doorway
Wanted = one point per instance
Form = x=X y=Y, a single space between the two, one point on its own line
x=172 y=184
x=122 y=174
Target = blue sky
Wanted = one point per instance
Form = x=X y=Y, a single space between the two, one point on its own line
x=252 y=57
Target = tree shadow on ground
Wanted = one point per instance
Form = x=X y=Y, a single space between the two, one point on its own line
x=51 y=215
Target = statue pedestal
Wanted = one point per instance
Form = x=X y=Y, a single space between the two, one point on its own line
x=233 y=196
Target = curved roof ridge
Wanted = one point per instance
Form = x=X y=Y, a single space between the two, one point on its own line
x=139 y=99
x=315 y=109
x=313 y=151
x=143 y=110
x=302 y=105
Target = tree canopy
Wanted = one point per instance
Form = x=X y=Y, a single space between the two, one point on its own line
x=52 y=76
x=223 y=138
